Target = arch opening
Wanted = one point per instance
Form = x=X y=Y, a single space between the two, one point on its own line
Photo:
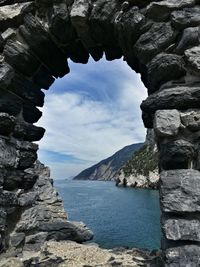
x=88 y=117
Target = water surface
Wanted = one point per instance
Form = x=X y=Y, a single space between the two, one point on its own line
x=117 y=216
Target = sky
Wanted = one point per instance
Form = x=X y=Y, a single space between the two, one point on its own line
x=90 y=114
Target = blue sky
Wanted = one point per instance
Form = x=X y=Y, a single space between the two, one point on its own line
x=89 y=115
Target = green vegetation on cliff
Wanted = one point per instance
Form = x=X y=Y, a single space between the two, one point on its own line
x=142 y=162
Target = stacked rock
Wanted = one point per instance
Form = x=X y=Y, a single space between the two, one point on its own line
x=158 y=39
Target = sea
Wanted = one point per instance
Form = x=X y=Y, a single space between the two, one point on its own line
x=118 y=217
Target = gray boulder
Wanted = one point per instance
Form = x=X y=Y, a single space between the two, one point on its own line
x=182 y=229
x=183 y=256
x=31 y=114
x=44 y=46
x=17 y=239
x=13 y=179
x=28 y=132
x=161 y=10
x=128 y=25
x=167 y=122
x=79 y=18
x=18 y=56
x=192 y=56
x=7 y=123
x=191 y=120
x=154 y=41
x=8 y=154
x=179 y=97
x=60 y=25
x=177 y=154
x=27 y=199
x=188 y=17
x=163 y=68
x=9 y=102
x=35 y=241
x=190 y=38
x=101 y=21
x=8 y=199
x=67 y=230
x=180 y=191
x=26 y=89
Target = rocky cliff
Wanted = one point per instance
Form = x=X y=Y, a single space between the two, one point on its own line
x=141 y=170
x=35 y=214
x=107 y=169
x=133 y=166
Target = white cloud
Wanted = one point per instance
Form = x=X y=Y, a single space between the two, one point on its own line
x=90 y=130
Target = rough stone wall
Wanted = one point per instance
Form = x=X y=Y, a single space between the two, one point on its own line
x=160 y=40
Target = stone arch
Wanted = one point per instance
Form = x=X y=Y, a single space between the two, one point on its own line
x=158 y=39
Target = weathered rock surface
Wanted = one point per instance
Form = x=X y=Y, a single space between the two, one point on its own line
x=161 y=10
x=156 y=40
x=192 y=57
x=182 y=229
x=167 y=122
x=191 y=120
x=41 y=214
x=190 y=38
x=180 y=191
x=188 y=17
x=183 y=256
x=179 y=97
x=56 y=64
x=177 y=154
x=7 y=124
x=164 y=68
x=75 y=255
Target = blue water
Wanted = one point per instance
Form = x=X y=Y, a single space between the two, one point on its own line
x=117 y=216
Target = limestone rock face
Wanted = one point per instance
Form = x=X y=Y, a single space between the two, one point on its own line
x=141 y=171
